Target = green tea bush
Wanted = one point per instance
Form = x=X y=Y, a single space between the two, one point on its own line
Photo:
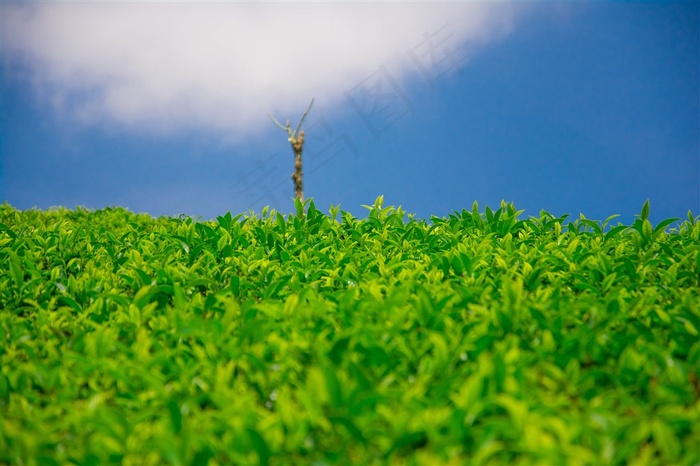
x=327 y=339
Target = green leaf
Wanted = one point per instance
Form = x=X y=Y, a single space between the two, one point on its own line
x=645 y=211
x=225 y=221
x=15 y=265
x=144 y=296
x=339 y=347
x=410 y=441
x=223 y=241
x=259 y=445
x=378 y=202
x=489 y=214
x=615 y=232
x=202 y=457
x=68 y=301
x=8 y=230
x=663 y=224
x=663 y=315
x=608 y=220
x=235 y=285
x=350 y=426
x=594 y=226
x=688 y=326
x=517 y=409
x=647 y=231
x=299 y=206
x=457 y=265
x=332 y=386
x=143 y=277
x=666 y=441
x=175 y=416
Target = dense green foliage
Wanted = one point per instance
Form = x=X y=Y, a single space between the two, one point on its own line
x=313 y=339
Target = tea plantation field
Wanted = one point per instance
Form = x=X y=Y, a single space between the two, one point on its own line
x=313 y=338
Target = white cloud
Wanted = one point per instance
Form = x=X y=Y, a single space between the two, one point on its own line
x=224 y=66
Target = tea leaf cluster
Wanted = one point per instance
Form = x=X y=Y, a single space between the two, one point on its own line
x=475 y=338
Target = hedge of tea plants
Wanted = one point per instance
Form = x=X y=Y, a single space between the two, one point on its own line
x=310 y=338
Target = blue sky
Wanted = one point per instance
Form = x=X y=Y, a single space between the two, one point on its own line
x=570 y=107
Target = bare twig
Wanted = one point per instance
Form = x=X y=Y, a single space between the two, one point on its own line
x=296 y=133
x=296 y=139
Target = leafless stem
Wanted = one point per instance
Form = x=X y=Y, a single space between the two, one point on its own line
x=296 y=139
